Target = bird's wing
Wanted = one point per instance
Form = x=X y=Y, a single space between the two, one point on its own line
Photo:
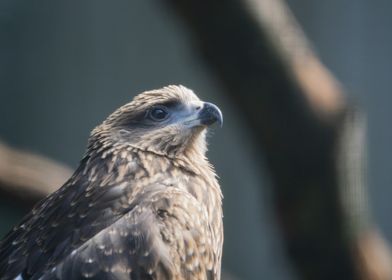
x=165 y=236
x=86 y=204
x=89 y=228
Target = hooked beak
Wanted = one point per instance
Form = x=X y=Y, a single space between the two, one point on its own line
x=204 y=114
x=210 y=114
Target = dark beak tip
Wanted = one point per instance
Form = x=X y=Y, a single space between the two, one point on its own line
x=211 y=114
x=220 y=122
x=220 y=119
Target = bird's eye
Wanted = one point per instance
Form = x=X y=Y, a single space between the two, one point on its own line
x=158 y=113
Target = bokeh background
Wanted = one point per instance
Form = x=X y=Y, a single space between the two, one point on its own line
x=65 y=65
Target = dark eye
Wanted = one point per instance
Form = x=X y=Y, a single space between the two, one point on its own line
x=158 y=113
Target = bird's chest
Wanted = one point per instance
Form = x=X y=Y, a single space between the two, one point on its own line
x=203 y=187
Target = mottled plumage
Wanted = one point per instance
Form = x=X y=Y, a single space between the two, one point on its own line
x=144 y=202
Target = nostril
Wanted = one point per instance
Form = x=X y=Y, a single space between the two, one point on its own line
x=198 y=108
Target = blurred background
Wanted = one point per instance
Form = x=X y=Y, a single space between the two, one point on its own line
x=65 y=65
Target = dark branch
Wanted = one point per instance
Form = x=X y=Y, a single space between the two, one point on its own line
x=304 y=126
x=26 y=178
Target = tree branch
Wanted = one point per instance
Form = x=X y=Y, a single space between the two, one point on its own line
x=27 y=177
x=311 y=135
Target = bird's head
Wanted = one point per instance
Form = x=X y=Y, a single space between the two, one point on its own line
x=170 y=121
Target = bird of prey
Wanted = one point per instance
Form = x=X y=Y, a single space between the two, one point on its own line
x=144 y=202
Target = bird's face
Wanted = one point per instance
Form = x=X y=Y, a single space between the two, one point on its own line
x=169 y=121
